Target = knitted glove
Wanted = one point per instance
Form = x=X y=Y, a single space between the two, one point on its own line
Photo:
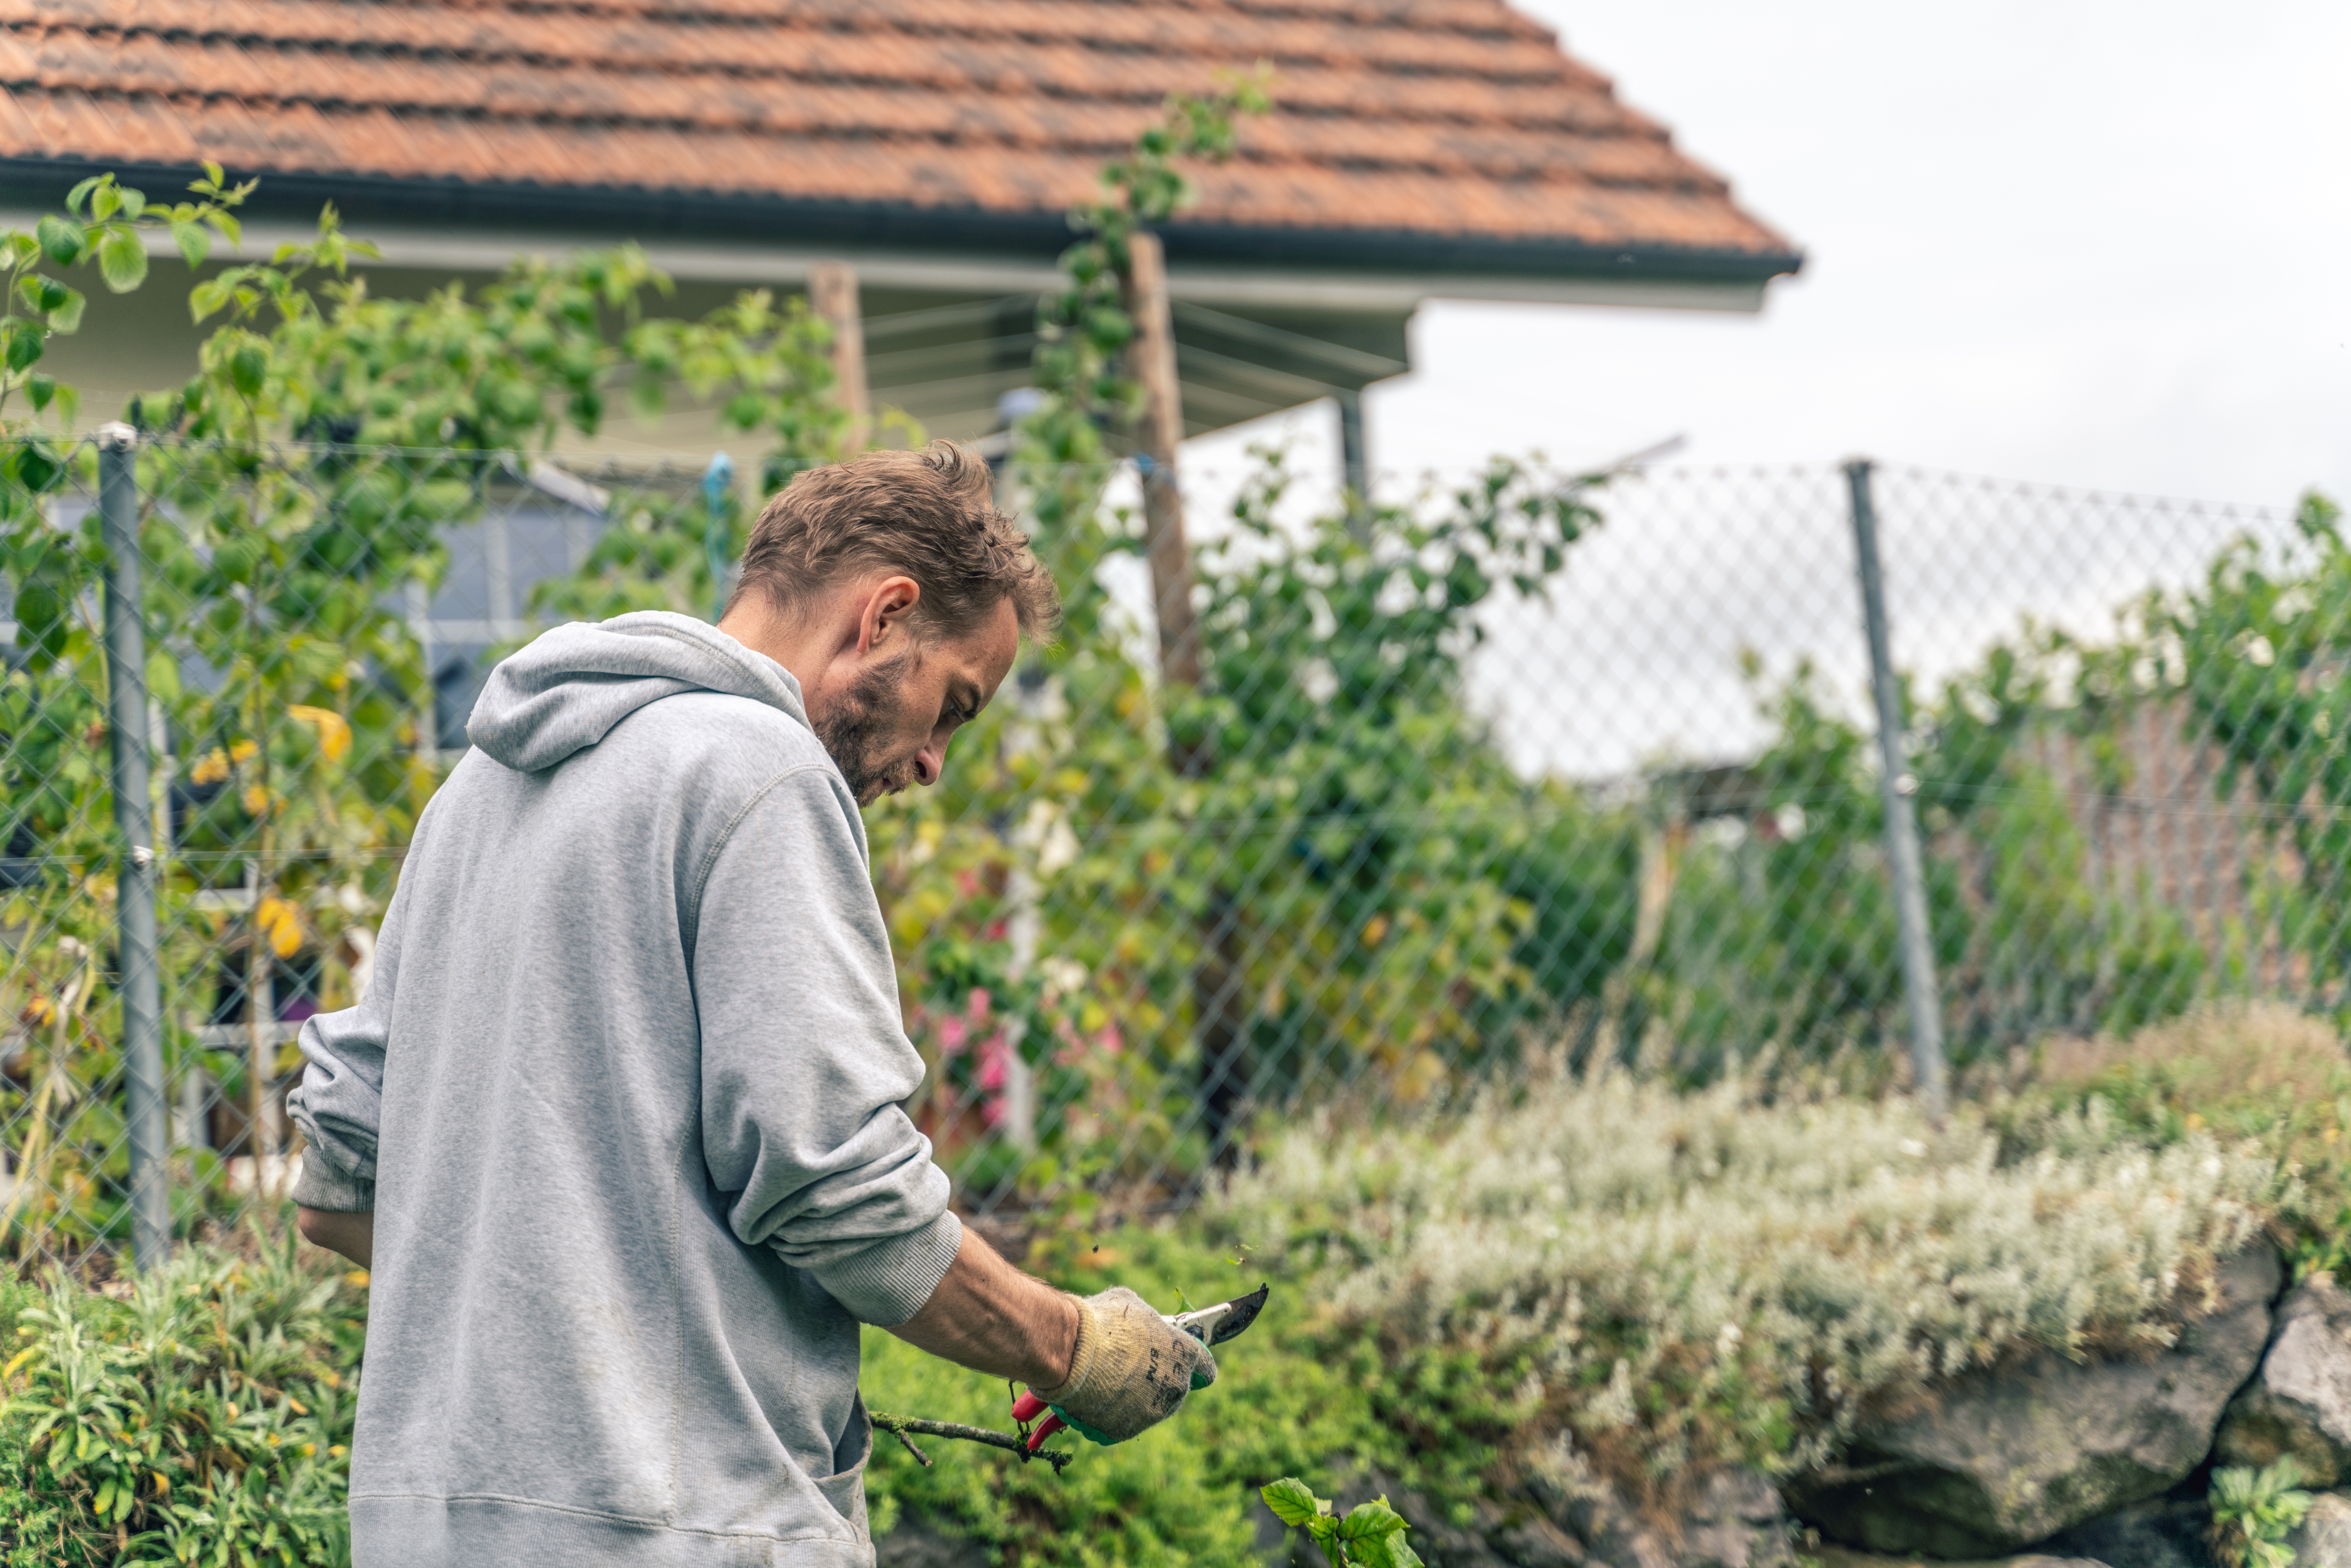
x=1131 y=1371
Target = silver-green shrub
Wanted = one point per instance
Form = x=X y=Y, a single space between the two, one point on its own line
x=1717 y=1275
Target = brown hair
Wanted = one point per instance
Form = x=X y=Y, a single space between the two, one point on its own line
x=929 y=514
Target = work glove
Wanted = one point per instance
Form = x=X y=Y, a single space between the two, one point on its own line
x=1131 y=1370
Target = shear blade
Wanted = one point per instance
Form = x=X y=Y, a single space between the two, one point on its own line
x=1225 y=1320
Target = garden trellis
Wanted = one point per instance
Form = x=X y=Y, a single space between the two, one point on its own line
x=1514 y=760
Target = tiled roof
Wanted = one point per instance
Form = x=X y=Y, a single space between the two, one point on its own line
x=1449 y=119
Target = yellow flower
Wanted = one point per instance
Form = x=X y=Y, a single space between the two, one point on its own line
x=210 y=768
x=282 y=923
x=357 y=1278
x=257 y=800
x=334 y=729
x=244 y=751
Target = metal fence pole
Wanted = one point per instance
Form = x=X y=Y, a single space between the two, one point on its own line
x=126 y=722
x=1898 y=788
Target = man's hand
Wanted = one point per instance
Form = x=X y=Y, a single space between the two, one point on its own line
x=352 y=1235
x=1131 y=1371
x=1109 y=1364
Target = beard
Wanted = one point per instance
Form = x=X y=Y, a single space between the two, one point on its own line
x=852 y=731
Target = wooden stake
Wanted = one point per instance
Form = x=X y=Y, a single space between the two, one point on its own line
x=1151 y=358
x=832 y=295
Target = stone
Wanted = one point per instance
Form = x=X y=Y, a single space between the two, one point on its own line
x=1735 y=1520
x=2299 y=1403
x=2167 y=1531
x=2324 y=1537
x=1994 y=1462
x=914 y=1545
x=1839 y=1557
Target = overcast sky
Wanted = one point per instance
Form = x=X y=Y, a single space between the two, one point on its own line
x=2076 y=241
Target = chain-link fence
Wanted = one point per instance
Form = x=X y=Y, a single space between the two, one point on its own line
x=1534 y=761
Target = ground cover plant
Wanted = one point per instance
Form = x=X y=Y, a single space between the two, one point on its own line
x=198 y=1416
x=1598 y=1277
x=1675 y=1280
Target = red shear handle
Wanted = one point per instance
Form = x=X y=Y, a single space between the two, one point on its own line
x=1027 y=1408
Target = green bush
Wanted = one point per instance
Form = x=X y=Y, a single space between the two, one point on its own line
x=198 y=1416
x=1300 y=1393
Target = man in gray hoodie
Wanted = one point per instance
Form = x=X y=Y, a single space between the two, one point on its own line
x=616 y=1127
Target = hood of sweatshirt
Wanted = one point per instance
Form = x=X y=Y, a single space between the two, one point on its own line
x=567 y=690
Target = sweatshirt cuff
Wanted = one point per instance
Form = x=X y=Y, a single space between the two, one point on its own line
x=888 y=1282
x=321 y=1186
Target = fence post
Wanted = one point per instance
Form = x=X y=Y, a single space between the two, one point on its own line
x=127 y=721
x=834 y=297
x=1898 y=788
x=1150 y=358
x=1354 y=458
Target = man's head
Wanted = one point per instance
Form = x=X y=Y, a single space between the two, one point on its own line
x=897 y=595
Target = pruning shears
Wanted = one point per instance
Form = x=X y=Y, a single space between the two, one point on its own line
x=1212 y=1326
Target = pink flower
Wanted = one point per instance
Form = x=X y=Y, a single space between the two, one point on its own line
x=995 y=1063
x=951 y=1036
x=978 y=1005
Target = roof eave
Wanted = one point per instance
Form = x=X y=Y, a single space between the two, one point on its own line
x=1481 y=266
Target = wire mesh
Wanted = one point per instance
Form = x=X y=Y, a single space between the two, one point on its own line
x=1417 y=821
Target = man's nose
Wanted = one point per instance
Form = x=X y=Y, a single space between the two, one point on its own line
x=929 y=763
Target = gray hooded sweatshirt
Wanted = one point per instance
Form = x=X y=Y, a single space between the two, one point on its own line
x=623 y=1095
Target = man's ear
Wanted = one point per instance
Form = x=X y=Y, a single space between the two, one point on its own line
x=886 y=618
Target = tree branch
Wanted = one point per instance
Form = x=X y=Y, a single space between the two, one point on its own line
x=898 y=1425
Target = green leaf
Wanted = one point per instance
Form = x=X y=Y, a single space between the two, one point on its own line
x=80 y=193
x=133 y=202
x=65 y=316
x=194 y=243
x=1371 y=1522
x=208 y=297
x=1292 y=1502
x=62 y=239
x=105 y=196
x=1385 y=1551
x=24 y=345
x=248 y=368
x=41 y=388
x=122 y=259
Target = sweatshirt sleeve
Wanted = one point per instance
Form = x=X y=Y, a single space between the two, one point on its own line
x=338 y=1105
x=804 y=1057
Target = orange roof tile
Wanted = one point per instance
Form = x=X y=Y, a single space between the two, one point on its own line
x=1450 y=120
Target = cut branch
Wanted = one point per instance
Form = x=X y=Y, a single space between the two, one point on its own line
x=898 y=1425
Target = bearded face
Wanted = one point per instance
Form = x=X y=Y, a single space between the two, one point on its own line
x=857 y=728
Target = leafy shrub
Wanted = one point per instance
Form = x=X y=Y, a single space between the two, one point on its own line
x=1681 y=1279
x=197 y=1416
x=1370 y=1534
x=2253 y=1512
x=2250 y=1070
